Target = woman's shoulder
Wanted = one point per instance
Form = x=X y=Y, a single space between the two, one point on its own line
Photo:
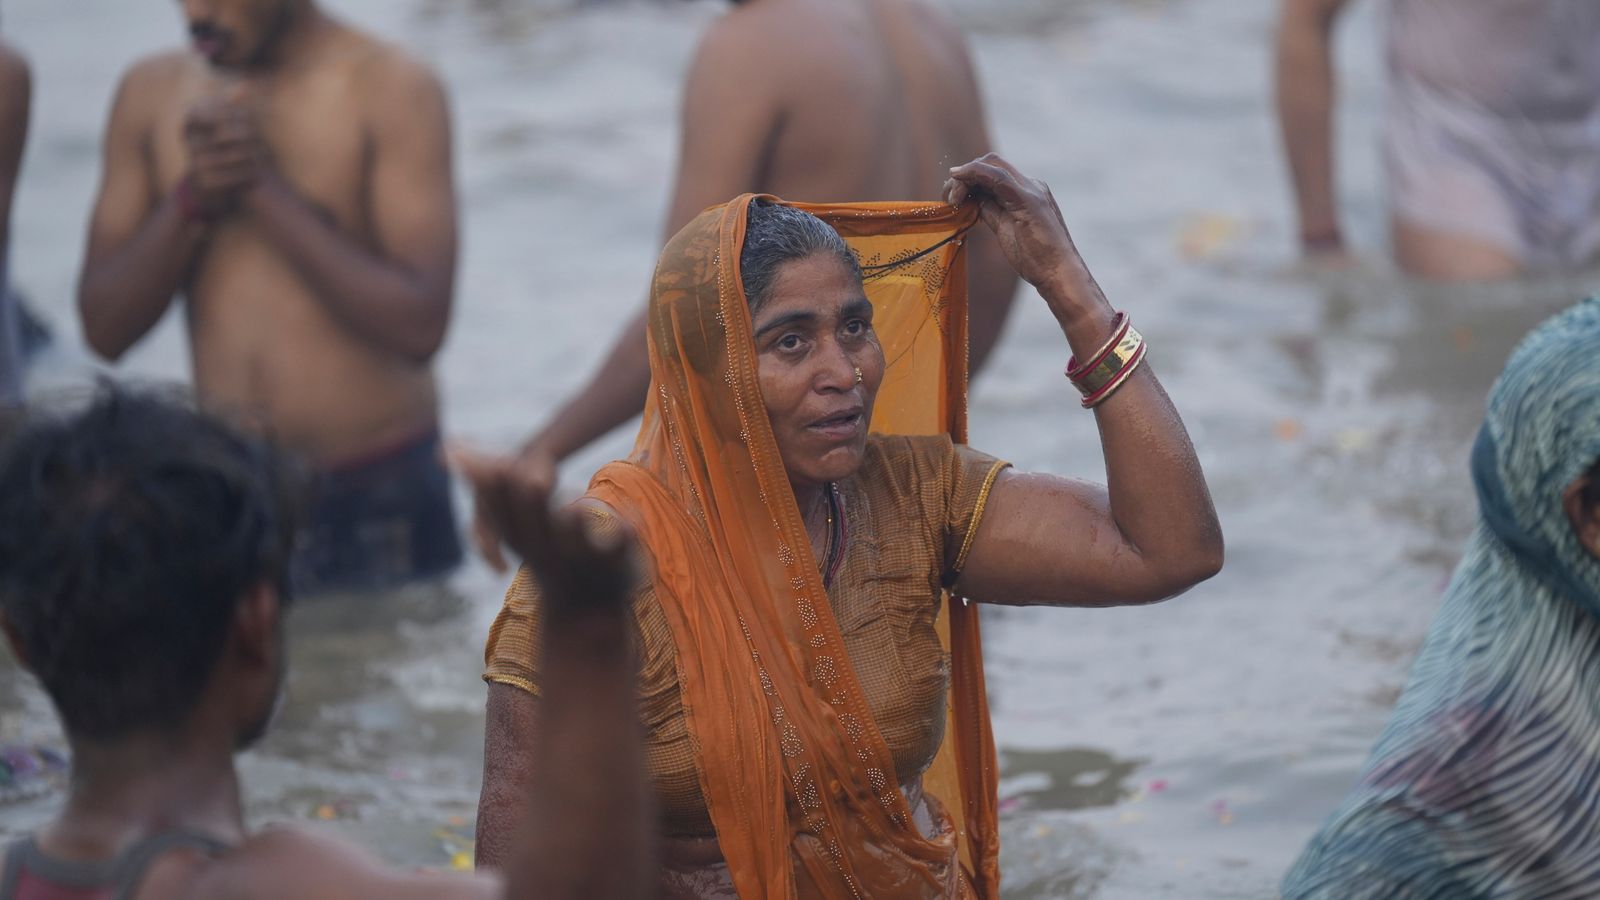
x=893 y=448
x=921 y=456
x=921 y=469
x=595 y=507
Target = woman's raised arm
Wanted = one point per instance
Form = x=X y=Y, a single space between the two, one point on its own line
x=1150 y=532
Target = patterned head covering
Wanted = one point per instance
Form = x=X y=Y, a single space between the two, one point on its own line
x=1484 y=783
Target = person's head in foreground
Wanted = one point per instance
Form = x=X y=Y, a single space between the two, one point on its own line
x=802 y=490
x=1483 y=784
x=144 y=556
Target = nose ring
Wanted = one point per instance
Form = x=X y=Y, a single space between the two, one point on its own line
x=858 y=374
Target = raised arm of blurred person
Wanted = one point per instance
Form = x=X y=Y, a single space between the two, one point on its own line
x=594 y=835
x=16 y=88
x=727 y=121
x=1305 y=98
x=582 y=826
x=726 y=124
x=582 y=823
x=532 y=745
x=396 y=292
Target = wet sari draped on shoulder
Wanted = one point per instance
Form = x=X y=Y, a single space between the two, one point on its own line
x=798 y=781
x=1485 y=782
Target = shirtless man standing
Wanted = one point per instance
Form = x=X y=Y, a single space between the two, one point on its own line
x=1491 y=134
x=812 y=100
x=15 y=92
x=291 y=176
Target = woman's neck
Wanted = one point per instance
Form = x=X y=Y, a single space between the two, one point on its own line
x=812 y=501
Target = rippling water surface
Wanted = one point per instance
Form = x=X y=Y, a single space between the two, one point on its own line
x=1185 y=750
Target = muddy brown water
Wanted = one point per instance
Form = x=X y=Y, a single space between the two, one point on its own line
x=1185 y=750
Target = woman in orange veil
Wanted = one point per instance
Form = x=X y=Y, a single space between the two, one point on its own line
x=812 y=694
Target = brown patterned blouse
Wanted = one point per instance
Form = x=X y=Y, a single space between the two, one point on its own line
x=910 y=514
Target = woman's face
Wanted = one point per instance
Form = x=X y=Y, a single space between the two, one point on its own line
x=813 y=335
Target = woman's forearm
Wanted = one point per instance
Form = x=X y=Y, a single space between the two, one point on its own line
x=1157 y=492
x=511 y=726
x=1046 y=540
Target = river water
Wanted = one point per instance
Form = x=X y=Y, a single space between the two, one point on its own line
x=1185 y=750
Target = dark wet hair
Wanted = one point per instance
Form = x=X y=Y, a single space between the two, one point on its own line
x=129 y=531
x=775 y=234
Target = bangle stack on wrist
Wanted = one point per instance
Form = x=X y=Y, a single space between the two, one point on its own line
x=1109 y=367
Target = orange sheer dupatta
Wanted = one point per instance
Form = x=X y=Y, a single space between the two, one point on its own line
x=799 y=784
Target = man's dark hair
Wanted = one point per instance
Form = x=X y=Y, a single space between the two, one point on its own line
x=129 y=531
x=775 y=234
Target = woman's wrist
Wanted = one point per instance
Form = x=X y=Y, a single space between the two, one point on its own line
x=1100 y=375
x=1071 y=291
x=1081 y=309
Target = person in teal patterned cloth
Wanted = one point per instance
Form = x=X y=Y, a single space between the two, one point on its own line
x=1484 y=783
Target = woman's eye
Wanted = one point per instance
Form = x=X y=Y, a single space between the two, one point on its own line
x=788 y=342
x=856 y=327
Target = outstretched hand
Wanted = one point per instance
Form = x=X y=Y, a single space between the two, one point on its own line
x=533 y=473
x=1024 y=217
x=579 y=565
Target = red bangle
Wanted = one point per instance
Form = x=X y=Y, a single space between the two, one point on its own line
x=1119 y=327
x=1121 y=378
x=189 y=205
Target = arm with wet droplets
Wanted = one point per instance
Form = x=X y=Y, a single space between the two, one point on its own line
x=1151 y=531
x=729 y=111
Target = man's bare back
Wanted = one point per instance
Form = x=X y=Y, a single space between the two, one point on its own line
x=810 y=100
x=840 y=100
x=330 y=354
